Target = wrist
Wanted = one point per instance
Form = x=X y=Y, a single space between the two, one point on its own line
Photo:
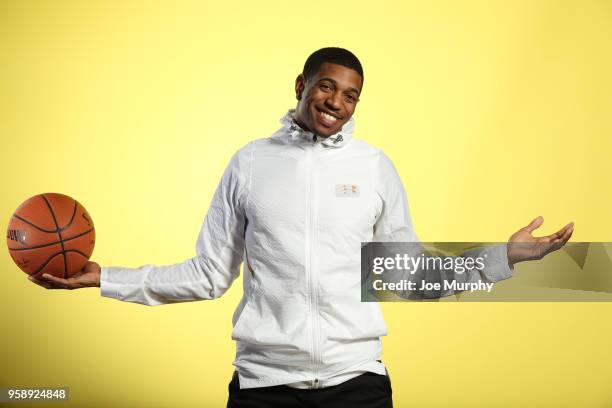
x=511 y=256
x=97 y=278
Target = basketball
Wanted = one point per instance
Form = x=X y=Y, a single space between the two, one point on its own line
x=51 y=233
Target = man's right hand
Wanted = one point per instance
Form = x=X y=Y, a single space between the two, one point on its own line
x=89 y=276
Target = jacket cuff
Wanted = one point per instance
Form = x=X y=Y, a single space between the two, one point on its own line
x=497 y=268
x=123 y=284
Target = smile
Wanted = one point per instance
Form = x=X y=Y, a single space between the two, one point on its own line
x=326 y=118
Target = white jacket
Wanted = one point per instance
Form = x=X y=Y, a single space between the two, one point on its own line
x=295 y=208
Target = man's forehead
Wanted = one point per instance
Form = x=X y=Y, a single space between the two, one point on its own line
x=341 y=75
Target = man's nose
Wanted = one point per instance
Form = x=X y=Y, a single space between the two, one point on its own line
x=333 y=101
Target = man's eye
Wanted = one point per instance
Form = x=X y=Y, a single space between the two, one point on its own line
x=350 y=99
x=325 y=87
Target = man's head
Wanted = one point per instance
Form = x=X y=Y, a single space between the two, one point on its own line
x=328 y=90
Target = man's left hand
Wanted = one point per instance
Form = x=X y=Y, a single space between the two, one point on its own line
x=522 y=246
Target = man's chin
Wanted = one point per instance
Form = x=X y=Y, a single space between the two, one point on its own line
x=324 y=131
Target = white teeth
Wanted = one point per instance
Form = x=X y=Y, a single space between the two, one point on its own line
x=328 y=116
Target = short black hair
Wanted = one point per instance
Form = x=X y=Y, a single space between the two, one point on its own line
x=333 y=55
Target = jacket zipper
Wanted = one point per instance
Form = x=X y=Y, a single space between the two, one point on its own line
x=312 y=283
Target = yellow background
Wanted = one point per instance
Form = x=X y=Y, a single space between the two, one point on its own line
x=493 y=113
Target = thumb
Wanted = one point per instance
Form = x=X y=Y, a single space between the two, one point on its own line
x=536 y=223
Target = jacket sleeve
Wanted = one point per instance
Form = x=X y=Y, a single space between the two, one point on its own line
x=219 y=253
x=395 y=225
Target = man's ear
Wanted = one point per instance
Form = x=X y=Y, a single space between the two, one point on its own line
x=300 y=85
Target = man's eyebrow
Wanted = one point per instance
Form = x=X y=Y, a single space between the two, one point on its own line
x=328 y=79
x=351 y=89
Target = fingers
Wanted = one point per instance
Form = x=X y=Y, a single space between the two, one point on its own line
x=537 y=221
x=562 y=240
x=559 y=235
x=52 y=282
x=59 y=282
x=39 y=282
x=562 y=232
x=567 y=234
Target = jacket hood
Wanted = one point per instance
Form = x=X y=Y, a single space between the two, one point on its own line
x=291 y=131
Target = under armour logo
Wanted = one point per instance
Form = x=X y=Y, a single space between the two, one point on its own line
x=347 y=190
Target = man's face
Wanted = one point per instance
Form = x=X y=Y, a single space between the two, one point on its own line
x=327 y=101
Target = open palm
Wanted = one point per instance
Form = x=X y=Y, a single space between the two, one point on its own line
x=89 y=276
x=523 y=246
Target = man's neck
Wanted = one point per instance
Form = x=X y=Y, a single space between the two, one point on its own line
x=304 y=127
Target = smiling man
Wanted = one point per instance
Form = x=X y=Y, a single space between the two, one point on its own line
x=327 y=93
x=295 y=207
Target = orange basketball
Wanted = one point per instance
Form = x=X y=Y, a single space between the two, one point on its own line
x=51 y=233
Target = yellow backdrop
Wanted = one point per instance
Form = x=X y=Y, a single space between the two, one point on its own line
x=493 y=112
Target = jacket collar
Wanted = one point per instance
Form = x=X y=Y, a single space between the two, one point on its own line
x=292 y=131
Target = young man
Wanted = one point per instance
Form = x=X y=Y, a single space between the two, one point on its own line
x=295 y=208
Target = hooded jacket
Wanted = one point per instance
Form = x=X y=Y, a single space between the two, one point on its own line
x=295 y=209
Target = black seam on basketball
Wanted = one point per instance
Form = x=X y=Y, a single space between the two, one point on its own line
x=78 y=252
x=52 y=243
x=71 y=218
x=58 y=233
x=33 y=225
x=46 y=263
x=56 y=254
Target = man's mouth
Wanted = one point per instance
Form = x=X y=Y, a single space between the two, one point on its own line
x=326 y=118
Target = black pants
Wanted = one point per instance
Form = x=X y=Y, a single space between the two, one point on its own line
x=368 y=390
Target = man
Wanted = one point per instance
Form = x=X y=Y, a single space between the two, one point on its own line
x=295 y=208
